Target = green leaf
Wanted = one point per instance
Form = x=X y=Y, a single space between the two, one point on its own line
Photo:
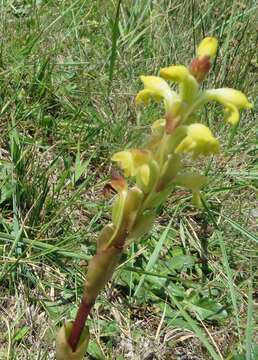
x=21 y=333
x=206 y=308
x=180 y=262
x=94 y=350
x=197 y=330
x=109 y=329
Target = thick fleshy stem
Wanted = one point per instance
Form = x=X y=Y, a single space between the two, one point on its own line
x=100 y=270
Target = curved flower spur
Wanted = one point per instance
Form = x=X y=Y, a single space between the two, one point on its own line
x=157 y=169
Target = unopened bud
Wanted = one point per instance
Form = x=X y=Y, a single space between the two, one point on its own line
x=200 y=67
x=207 y=47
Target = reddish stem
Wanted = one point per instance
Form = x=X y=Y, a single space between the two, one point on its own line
x=79 y=323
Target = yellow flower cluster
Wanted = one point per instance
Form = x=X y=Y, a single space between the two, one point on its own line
x=158 y=166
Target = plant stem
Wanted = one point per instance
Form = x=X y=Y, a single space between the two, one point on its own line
x=79 y=322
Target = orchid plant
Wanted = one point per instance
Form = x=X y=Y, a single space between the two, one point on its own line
x=156 y=168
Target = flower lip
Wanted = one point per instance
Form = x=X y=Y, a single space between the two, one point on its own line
x=228 y=95
x=199 y=141
x=156 y=88
x=231 y=99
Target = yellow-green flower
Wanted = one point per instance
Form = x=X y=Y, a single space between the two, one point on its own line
x=188 y=86
x=198 y=141
x=132 y=160
x=232 y=99
x=156 y=88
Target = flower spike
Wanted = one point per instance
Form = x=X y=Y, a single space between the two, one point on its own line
x=156 y=169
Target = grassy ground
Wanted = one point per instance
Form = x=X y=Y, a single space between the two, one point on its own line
x=68 y=76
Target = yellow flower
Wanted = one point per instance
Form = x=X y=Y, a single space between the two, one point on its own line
x=135 y=162
x=199 y=141
x=156 y=88
x=207 y=47
x=188 y=86
x=232 y=100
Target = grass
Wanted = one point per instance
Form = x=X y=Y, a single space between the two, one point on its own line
x=68 y=75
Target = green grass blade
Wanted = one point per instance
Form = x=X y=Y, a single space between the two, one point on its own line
x=249 y=326
x=115 y=34
x=241 y=230
x=196 y=329
x=229 y=277
x=154 y=257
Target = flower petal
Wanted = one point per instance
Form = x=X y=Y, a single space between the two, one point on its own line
x=228 y=95
x=157 y=88
x=180 y=74
x=199 y=141
x=125 y=161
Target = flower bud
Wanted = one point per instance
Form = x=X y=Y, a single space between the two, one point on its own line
x=200 y=67
x=207 y=47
